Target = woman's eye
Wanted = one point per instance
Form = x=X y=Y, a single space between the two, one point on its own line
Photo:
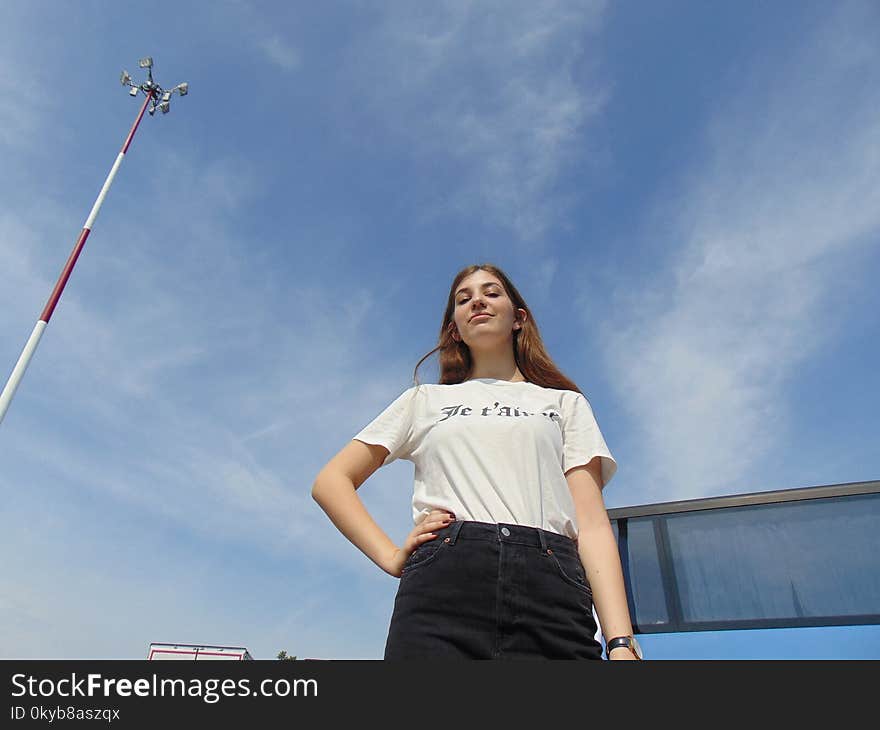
x=489 y=294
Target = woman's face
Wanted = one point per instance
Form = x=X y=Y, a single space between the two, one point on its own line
x=482 y=311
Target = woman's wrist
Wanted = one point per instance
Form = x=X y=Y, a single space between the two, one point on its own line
x=387 y=561
x=624 y=652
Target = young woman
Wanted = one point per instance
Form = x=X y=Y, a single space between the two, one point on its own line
x=512 y=545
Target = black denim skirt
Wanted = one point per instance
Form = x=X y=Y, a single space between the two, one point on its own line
x=493 y=591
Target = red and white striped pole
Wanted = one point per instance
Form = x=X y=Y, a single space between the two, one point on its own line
x=34 y=340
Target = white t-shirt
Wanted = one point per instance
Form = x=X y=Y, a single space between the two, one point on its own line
x=492 y=450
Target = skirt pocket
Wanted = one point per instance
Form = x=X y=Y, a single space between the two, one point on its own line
x=424 y=555
x=571 y=570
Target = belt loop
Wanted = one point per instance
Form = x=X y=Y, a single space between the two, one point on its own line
x=455 y=528
x=543 y=539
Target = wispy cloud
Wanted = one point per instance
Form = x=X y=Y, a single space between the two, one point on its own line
x=269 y=33
x=280 y=53
x=783 y=208
x=484 y=95
x=26 y=90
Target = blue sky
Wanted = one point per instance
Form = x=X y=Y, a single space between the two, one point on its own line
x=687 y=194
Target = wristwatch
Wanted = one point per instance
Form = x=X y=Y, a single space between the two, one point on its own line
x=628 y=641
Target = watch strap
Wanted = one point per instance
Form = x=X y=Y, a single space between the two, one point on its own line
x=619 y=641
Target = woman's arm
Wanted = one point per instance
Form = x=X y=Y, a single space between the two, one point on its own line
x=335 y=490
x=599 y=553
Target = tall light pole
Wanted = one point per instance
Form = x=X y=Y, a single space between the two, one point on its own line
x=156 y=98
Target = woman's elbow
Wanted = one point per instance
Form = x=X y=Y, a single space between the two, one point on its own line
x=329 y=480
x=319 y=486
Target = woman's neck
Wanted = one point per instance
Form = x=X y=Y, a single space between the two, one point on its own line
x=501 y=369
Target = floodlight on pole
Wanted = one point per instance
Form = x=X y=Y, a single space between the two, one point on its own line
x=153 y=92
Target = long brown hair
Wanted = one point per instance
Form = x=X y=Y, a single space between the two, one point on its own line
x=531 y=357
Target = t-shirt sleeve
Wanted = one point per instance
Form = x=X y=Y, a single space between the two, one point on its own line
x=393 y=427
x=582 y=439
